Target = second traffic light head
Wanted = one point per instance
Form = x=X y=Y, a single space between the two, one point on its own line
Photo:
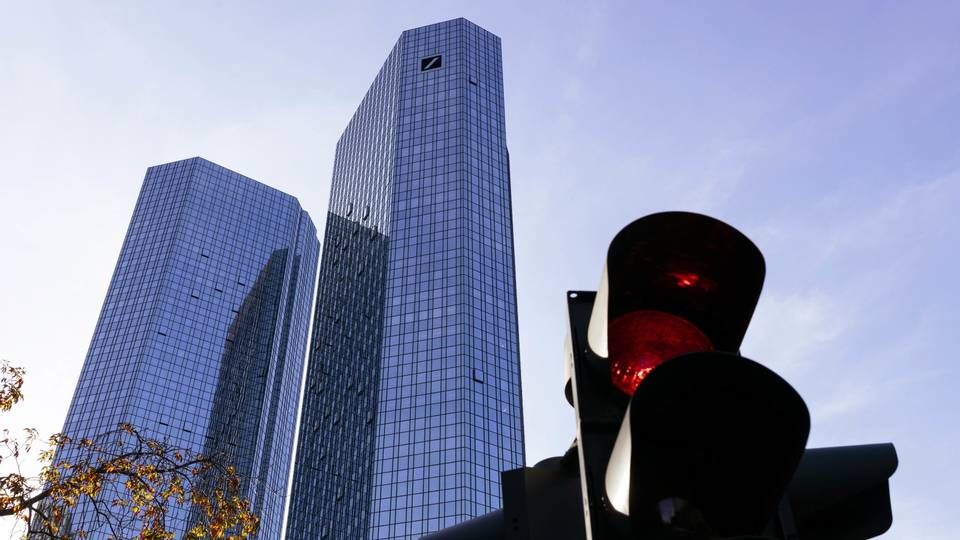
x=710 y=441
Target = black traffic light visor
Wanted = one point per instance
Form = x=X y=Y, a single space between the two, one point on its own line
x=719 y=431
x=689 y=265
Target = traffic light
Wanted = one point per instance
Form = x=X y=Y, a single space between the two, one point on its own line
x=840 y=493
x=678 y=436
x=539 y=503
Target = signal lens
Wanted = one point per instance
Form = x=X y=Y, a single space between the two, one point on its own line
x=685 y=280
x=642 y=340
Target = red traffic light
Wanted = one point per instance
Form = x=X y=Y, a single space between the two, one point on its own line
x=674 y=283
x=639 y=341
x=694 y=267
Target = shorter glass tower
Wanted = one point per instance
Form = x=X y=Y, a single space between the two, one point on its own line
x=202 y=335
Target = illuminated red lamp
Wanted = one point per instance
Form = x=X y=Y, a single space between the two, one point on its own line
x=686 y=279
x=642 y=340
x=691 y=281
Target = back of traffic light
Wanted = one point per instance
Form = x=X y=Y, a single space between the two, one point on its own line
x=840 y=493
x=542 y=502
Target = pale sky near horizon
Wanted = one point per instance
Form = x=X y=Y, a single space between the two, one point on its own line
x=827 y=132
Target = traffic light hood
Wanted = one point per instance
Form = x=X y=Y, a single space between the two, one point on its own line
x=688 y=265
x=714 y=432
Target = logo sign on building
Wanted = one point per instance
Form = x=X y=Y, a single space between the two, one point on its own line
x=430 y=62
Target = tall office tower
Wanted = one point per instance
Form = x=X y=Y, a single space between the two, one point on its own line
x=203 y=333
x=412 y=404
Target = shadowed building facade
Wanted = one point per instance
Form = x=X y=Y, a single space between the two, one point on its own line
x=412 y=404
x=203 y=333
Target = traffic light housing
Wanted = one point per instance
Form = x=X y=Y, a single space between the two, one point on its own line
x=673 y=282
x=678 y=435
x=661 y=394
x=840 y=493
x=542 y=502
x=711 y=431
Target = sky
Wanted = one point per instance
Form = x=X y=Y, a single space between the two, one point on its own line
x=827 y=132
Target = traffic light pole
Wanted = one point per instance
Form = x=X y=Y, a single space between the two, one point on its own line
x=597 y=421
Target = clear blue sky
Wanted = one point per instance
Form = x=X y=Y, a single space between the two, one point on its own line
x=828 y=132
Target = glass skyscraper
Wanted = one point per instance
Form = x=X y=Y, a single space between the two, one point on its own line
x=412 y=404
x=203 y=333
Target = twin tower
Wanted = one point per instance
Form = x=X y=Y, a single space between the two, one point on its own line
x=411 y=405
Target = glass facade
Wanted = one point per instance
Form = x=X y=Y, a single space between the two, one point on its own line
x=203 y=332
x=412 y=404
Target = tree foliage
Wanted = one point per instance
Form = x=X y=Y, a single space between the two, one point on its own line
x=120 y=483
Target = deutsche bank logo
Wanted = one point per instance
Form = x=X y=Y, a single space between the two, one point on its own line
x=430 y=62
